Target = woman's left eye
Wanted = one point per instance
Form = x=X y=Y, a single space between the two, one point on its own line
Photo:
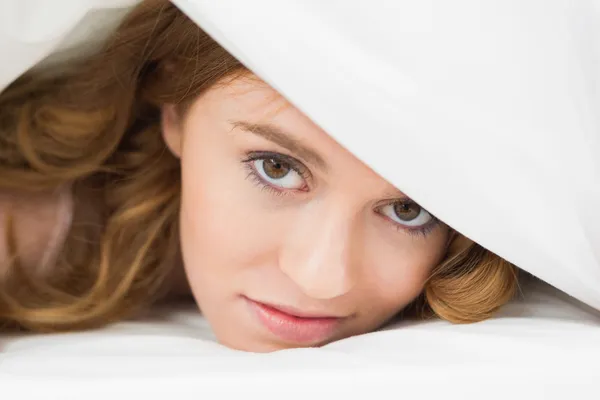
x=407 y=213
x=278 y=173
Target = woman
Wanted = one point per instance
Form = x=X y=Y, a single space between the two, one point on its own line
x=162 y=167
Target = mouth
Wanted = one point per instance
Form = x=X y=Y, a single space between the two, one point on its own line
x=293 y=325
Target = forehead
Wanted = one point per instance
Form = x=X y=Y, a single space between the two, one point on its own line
x=251 y=99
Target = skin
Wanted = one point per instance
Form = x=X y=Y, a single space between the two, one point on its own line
x=325 y=241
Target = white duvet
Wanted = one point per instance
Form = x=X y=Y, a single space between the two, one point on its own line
x=543 y=346
x=485 y=112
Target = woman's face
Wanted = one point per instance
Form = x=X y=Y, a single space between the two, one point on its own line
x=288 y=240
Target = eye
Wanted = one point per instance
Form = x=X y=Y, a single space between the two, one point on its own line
x=278 y=173
x=407 y=213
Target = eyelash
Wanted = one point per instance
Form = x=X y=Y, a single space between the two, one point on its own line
x=252 y=175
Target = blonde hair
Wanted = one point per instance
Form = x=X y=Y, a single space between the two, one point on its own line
x=96 y=127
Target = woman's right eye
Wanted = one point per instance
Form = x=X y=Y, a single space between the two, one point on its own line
x=277 y=173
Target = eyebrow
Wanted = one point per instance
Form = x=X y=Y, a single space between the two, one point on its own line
x=283 y=139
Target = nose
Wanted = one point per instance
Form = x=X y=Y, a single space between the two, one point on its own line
x=317 y=253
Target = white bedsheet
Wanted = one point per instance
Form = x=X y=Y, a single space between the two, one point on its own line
x=544 y=346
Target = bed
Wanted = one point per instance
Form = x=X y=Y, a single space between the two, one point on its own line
x=544 y=345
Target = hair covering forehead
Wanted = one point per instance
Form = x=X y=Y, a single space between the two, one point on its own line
x=486 y=113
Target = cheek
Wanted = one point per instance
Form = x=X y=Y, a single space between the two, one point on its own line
x=223 y=229
x=399 y=272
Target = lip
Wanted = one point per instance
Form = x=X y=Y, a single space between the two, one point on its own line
x=292 y=325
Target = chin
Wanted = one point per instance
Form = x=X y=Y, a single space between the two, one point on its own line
x=250 y=346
